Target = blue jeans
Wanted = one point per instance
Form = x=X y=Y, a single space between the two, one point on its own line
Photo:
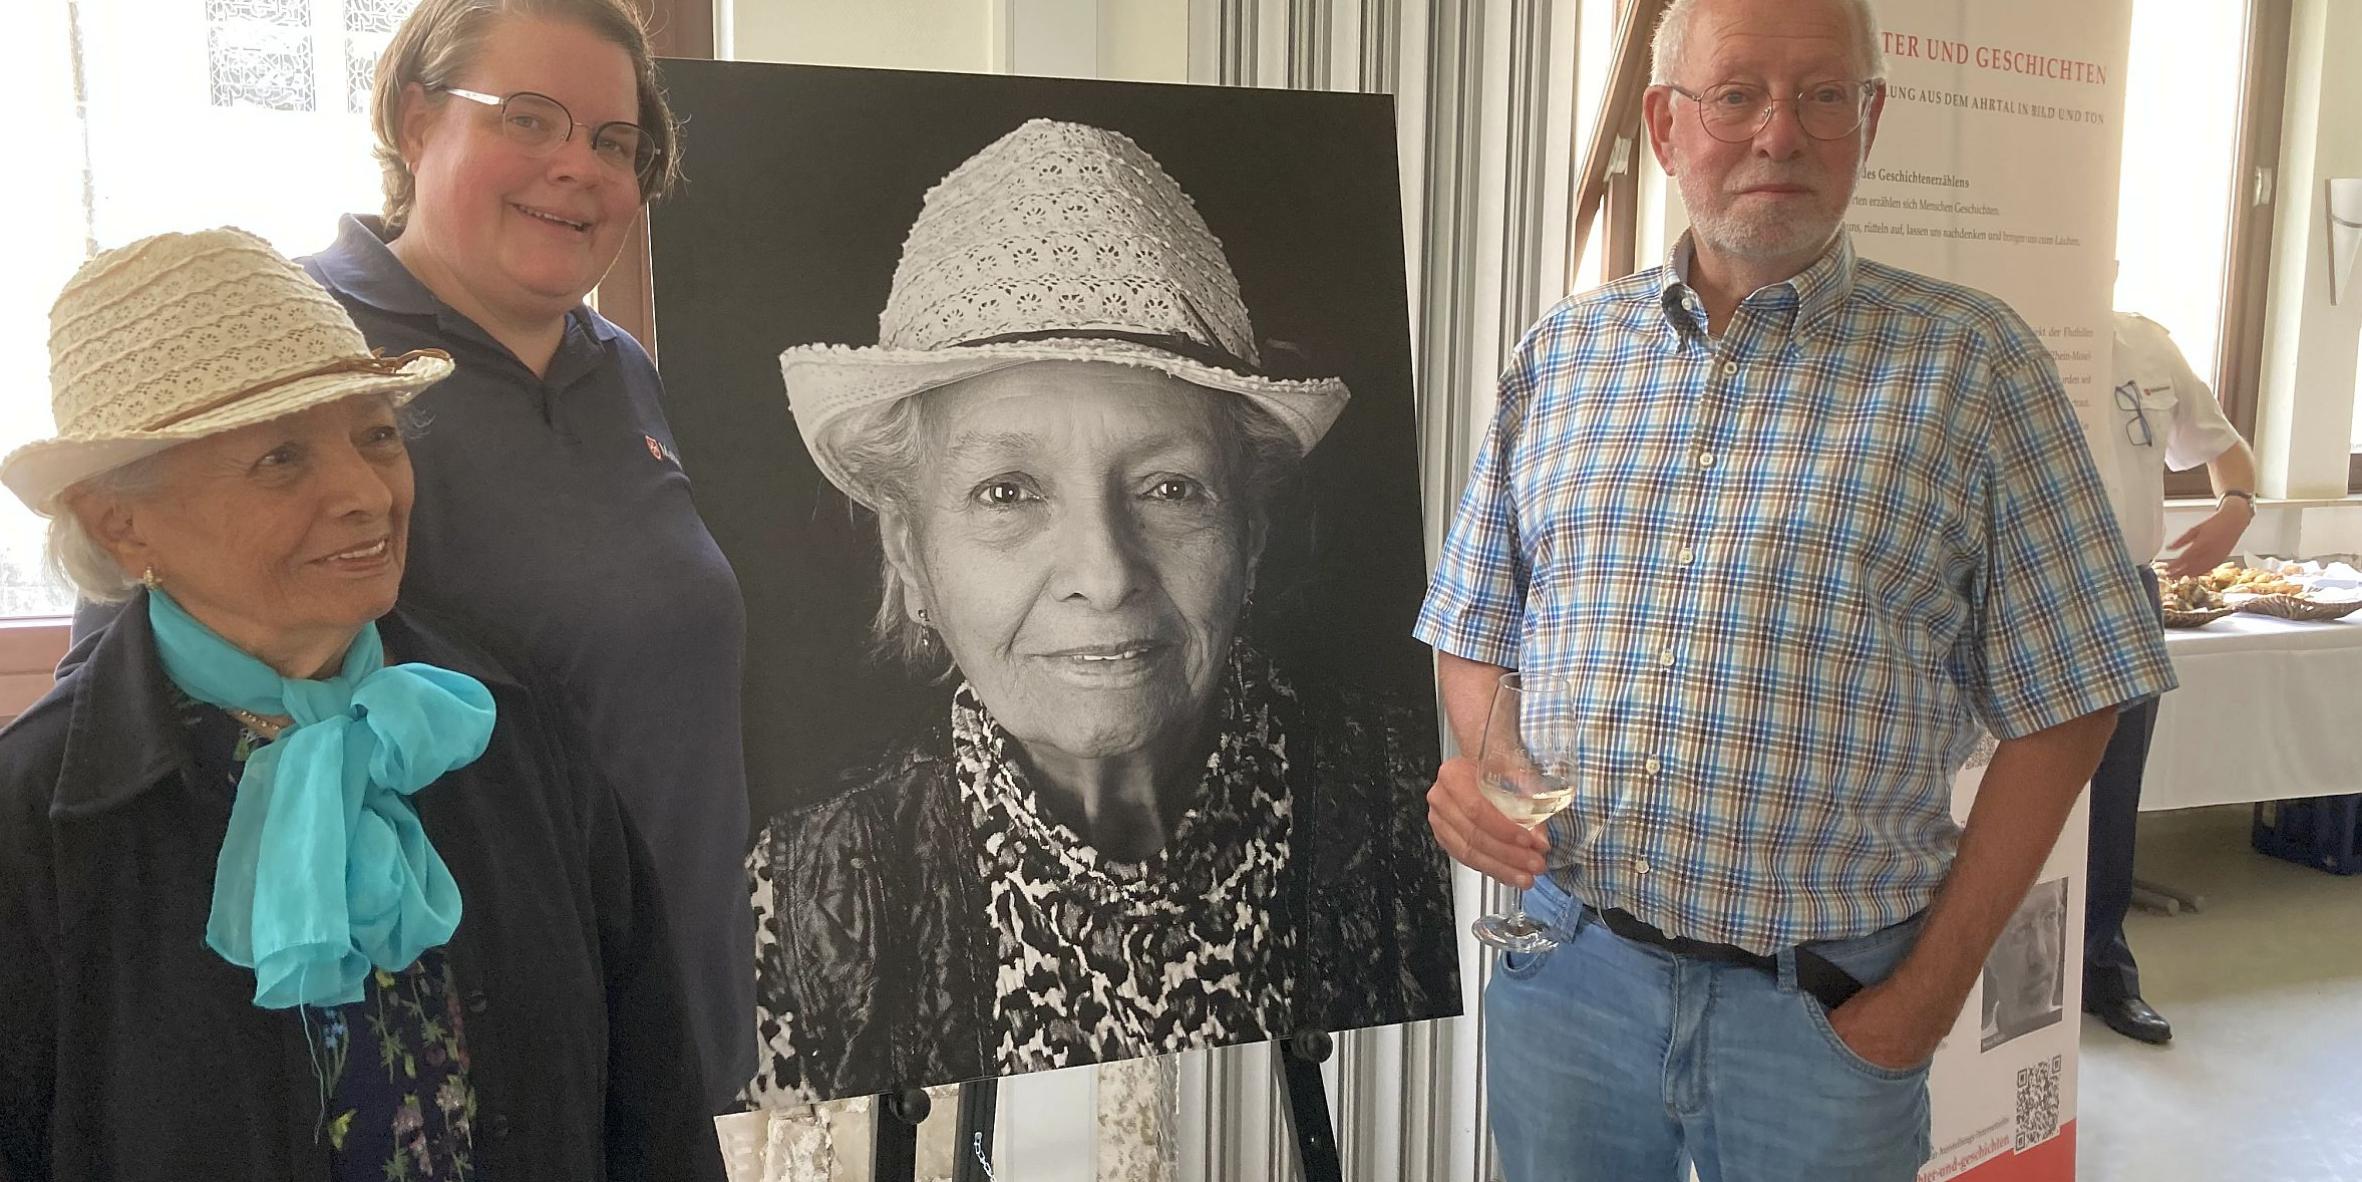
x=1610 y=1061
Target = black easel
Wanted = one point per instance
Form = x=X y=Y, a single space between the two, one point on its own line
x=971 y=1158
x=894 y=1130
x=1296 y=1061
x=894 y=1133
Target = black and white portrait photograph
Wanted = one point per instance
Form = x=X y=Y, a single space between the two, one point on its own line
x=1062 y=436
x=2025 y=980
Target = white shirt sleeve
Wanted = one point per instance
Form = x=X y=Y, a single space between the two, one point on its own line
x=2200 y=432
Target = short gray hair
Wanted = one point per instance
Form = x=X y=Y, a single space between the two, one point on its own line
x=1671 y=46
x=885 y=447
x=74 y=553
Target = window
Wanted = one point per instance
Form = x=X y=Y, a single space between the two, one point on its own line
x=2203 y=97
x=368 y=26
x=2181 y=131
x=259 y=53
x=148 y=117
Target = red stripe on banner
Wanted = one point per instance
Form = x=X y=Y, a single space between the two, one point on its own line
x=2051 y=1161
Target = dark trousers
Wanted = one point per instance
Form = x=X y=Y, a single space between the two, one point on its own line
x=2109 y=973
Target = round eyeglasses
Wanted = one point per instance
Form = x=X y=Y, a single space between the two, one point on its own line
x=1736 y=112
x=539 y=123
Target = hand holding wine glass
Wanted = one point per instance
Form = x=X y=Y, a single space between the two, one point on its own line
x=1475 y=833
x=1530 y=767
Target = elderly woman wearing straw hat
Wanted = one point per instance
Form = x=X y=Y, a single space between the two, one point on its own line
x=520 y=140
x=1129 y=833
x=293 y=883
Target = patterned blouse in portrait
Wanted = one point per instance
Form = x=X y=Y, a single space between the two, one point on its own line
x=928 y=921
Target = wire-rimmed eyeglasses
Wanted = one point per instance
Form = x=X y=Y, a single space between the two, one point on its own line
x=1736 y=112
x=539 y=123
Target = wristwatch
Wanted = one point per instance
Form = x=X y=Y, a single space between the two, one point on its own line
x=2242 y=494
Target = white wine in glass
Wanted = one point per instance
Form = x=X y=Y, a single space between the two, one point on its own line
x=1527 y=808
x=1530 y=763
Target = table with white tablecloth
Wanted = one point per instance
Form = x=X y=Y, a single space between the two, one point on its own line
x=2268 y=709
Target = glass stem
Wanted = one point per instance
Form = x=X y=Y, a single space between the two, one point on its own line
x=1515 y=918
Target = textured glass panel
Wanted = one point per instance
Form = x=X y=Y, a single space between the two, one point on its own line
x=253 y=66
x=360 y=71
x=368 y=25
x=289 y=14
x=375 y=16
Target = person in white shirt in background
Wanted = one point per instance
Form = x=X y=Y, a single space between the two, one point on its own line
x=2161 y=415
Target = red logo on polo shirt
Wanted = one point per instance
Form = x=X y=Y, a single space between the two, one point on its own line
x=657 y=449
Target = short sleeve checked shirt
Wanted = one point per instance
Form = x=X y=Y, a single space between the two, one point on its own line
x=1787 y=571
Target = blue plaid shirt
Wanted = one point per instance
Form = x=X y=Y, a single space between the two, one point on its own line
x=1786 y=572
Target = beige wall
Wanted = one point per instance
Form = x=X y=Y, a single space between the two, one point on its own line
x=1144 y=40
x=895 y=34
x=1132 y=40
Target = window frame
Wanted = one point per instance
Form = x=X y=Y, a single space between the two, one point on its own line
x=30 y=648
x=2247 y=261
x=627 y=296
x=1606 y=197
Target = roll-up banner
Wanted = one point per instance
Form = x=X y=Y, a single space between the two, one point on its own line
x=1996 y=166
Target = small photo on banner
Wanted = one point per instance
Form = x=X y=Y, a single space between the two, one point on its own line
x=1061 y=434
x=2025 y=982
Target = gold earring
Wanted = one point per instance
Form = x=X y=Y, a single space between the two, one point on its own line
x=148 y=579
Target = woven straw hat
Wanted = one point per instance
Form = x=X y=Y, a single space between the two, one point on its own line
x=181 y=336
x=1057 y=242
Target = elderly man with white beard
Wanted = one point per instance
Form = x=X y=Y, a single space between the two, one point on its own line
x=1781 y=528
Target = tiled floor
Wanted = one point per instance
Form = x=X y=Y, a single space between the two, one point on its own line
x=2263 y=1081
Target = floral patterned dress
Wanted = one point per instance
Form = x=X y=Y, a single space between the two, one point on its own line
x=391 y=1068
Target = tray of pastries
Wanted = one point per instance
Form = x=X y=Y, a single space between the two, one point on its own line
x=2284 y=590
x=2234 y=580
x=2191 y=602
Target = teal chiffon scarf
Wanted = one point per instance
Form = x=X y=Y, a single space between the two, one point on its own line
x=326 y=871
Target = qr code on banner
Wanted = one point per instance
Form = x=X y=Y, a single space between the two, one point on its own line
x=2038 y=1103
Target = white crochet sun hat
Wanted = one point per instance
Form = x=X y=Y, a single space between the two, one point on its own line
x=181 y=336
x=1057 y=242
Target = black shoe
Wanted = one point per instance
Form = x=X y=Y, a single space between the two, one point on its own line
x=2132 y=1018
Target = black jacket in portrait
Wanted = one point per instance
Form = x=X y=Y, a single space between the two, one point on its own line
x=132 y=1052
x=880 y=952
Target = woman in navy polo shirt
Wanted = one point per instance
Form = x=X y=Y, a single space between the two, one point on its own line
x=519 y=140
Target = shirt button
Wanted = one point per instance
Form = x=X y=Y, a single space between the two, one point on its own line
x=1653 y=766
x=1640 y=868
x=1665 y=658
x=477 y=1003
x=1730 y=369
x=1687 y=556
x=1705 y=459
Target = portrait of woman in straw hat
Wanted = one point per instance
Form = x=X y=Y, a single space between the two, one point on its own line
x=1129 y=830
x=295 y=882
x=519 y=141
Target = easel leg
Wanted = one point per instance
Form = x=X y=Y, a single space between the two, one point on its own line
x=1298 y=1060
x=2178 y=898
x=894 y=1135
x=972 y=1153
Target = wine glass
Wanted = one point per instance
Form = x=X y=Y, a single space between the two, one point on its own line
x=1530 y=763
